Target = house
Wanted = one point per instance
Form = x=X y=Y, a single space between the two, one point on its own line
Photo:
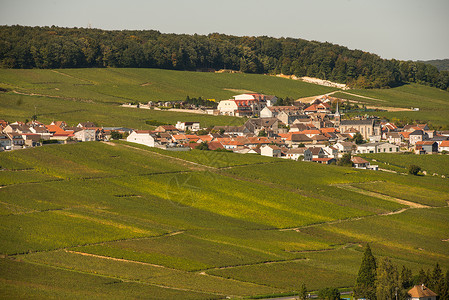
x=318 y=108
x=232 y=130
x=184 y=126
x=324 y=160
x=366 y=127
x=270 y=125
x=426 y=147
x=293 y=140
x=330 y=151
x=86 y=125
x=86 y=135
x=416 y=136
x=444 y=146
x=377 y=148
x=297 y=153
x=317 y=152
x=285 y=114
x=17 y=140
x=394 y=138
x=345 y=147
x=360 y=163
x=5 y=141
x=143 y=137
x=166 y=128
x=270 y=150
x=421 y=292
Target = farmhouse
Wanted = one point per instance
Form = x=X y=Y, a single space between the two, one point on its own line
x=184 y=126
x=296 y=153
x=426 y=147
x=444 y=146
x=143 y=137
x=379 y=147
x=270 y=150
x=421 y=292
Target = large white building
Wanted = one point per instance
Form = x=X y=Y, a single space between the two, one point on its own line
x=245 y=105
x=143 y=137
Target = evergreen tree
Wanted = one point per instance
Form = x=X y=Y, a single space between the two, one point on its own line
x=388 y=283
x=302 y=294
x=436 y=281
x=366 y=279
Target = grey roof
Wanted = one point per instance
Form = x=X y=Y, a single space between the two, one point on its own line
x=357 y=122
x=299 y=137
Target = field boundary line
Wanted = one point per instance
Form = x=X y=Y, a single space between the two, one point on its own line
x=54 y=96
x=167 y=156
x=410 y=204
x=118 y=259
x=123 y=279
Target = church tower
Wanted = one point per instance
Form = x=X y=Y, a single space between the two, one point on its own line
x=337 y=117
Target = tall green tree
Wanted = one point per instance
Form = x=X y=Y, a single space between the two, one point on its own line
x=365 y=286
x=388 y=283
x=302 y=294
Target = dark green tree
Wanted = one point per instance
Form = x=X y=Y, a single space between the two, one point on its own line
x=302 y=294
x=414 y=169
x=388 y=281
x=203 y=146
x=345 y=160
x=115 y=135
x=329 y=294
x=365 y=286
x=358 y=138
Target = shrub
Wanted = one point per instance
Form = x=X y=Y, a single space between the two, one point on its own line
x=414 y=169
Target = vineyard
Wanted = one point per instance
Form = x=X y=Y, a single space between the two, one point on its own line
x=128 y=221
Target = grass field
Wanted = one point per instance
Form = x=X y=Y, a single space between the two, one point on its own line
x=80 y=95
x=433 y=103
x=432 y=164
x=124 y=221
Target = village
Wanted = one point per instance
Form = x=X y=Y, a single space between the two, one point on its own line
x=311 y=132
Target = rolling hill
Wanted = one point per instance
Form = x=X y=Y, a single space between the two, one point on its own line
x=127 y=221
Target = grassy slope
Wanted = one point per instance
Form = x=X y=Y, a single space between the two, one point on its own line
x=432 y=102
x=140 y=206
x=77 y=95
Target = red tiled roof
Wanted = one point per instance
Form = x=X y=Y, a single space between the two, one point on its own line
x=419 y=291
x=444 y=144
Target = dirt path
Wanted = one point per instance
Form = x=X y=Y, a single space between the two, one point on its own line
x=381 y=196
x=171 y=157
x=53 y=96
x=117 y=259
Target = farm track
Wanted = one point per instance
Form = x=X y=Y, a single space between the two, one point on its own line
x=122 y=280
x=349 y=187
x=54 y=96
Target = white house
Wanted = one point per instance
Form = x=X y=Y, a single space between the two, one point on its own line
x=143 y=137
x=86 y=135
x=345 y=147
x=270 y=150
x=192 y=126
x=444 y=146
x=377 y=148
x=296 y=153
x=227 y=107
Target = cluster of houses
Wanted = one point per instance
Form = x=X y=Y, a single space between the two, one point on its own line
x=297 y=132
x=20 y=135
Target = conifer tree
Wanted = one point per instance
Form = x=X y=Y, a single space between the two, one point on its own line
x=366 y=279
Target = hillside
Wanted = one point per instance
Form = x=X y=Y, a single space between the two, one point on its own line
x=77 y=95
x=433 y=104
x=56 y=47
x=128 y=221
x=440 y=64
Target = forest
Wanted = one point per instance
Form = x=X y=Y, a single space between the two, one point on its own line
x=56 y=47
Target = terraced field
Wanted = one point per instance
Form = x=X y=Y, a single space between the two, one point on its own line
x=125 y=221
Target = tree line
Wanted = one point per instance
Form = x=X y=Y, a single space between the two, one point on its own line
x=384 y=280
x=56 y=47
